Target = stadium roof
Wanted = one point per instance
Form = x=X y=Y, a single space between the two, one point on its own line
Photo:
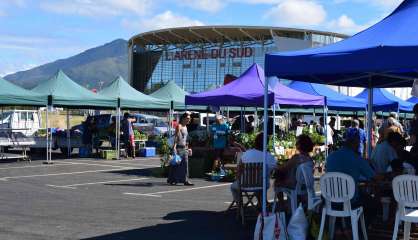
x=220 y=34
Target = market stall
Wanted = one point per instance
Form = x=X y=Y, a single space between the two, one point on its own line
x=371 y=59
x=61 y=91
x=12 y=95
x=248 y=91
x=123 y=96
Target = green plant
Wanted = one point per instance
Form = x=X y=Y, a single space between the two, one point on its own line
x=163 y=150
x=140 y=136
x=247 y=139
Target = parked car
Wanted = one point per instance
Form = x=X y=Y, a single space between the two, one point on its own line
x=149 y=124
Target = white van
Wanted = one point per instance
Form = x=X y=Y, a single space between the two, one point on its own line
x=26 y=122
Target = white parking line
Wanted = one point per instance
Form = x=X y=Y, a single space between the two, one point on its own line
x=158 y=194
x=94 y=164
x=112 y=163
x=72 y=186
x=35 y=166
x=68 y=173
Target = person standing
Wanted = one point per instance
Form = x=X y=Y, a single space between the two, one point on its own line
x=219 y=135
x=180 y=173
x=128 y=134
x=320 y=129
x=355 y=130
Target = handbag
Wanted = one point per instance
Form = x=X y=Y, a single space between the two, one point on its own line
x=175 y=160
x=270 y=227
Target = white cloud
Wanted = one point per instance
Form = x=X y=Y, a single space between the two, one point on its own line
x=383 y=4
x=211 y=6
x=297 y=13
x=345 y=24
x=98 y=7
x=166 y=19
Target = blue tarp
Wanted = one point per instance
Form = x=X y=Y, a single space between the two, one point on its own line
x=413 y=100
x=383 y=55
x=383 y=100
x=334 y=100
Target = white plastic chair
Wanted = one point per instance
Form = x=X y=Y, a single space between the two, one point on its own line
x=340 y=188
x=303 y=178
x=405 y=190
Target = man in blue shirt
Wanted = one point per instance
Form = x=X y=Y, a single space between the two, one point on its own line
x=346 y=160
x=219 y=134
x=355 y=128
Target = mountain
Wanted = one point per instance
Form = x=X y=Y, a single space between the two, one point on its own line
x=89 y=68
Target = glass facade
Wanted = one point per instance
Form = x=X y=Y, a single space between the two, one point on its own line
x=197 y=68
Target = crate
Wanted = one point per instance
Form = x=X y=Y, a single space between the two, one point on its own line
x=147 y=152
x=108 y=154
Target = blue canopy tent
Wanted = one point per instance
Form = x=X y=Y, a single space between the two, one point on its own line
x=383 y=100
x=413 y=100
x=334 y=99
x=383 y=55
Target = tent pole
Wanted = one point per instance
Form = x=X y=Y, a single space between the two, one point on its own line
x=369 y=119
x=47 y=134
x=326 y=130
x=50 y=145
x=68 y=134
x=242 y=121
x=256 y=122
x=245 y=129
x=207 y=120
x=274 y=125
x=264 y=212
x=118 y=132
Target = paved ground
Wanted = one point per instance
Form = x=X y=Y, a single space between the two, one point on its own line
x=99 y=199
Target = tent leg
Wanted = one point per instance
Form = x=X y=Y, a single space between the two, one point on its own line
x=242 y=121
x=117 y=130
x=68 y=134
x=274 y=125
x=326 y=130
x=47 y=133
x=48 y=138
x=265 y=147
x=369 y=120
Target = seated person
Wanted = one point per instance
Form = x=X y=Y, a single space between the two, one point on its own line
x=346 y=160
x=255 y=155
x=287 y=171
x=385 y=152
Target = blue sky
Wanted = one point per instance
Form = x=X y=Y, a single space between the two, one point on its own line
x=34 y=32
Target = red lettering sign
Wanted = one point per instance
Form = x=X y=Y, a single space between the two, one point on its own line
x=212 y=53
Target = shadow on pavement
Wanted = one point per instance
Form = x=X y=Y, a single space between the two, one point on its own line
x=193 y=225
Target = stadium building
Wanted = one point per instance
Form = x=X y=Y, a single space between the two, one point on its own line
x=198 y=58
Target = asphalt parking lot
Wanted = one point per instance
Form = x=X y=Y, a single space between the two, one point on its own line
x=99 y=199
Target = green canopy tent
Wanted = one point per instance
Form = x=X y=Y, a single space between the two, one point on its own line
x=64 y=92
x=61 y=91
x=13 y=95
x=171 y=92
x=126 y=97
x=129 y=98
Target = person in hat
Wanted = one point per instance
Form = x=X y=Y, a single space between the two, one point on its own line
x=219 y=136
